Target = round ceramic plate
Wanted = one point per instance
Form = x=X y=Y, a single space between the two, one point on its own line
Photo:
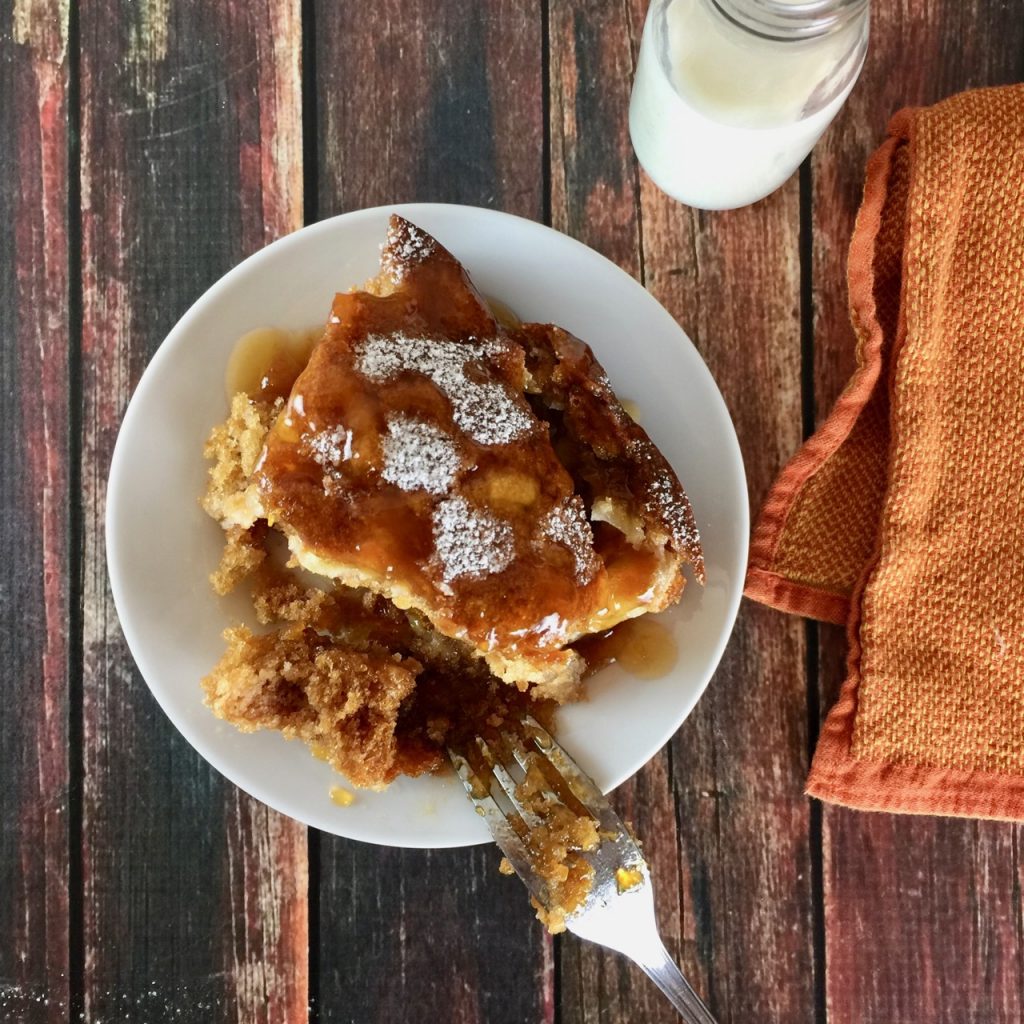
x=161 y=547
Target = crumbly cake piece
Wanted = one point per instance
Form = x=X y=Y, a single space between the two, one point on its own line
x=409 y=461
x=557 y=846
x=558 y=840
x=243 y=554
x=374 y=691
x=342 y=702
x=235 y=446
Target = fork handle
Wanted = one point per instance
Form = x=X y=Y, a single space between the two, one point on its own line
x=662 y=970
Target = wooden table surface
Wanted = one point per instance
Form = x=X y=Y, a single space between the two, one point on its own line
x=146 y=146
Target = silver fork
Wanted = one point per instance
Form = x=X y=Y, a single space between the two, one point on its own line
x=618 y=911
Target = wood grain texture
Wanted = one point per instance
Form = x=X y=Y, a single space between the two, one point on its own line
x=433 y=101
x=923 y=916
x=739 y=762
x=194 y=897
x=721 y=809
x=194 y=900
x=34 y=513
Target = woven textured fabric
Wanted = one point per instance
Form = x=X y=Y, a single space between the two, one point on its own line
x=904 y=515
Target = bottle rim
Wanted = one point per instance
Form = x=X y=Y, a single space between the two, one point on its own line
x=784 y=21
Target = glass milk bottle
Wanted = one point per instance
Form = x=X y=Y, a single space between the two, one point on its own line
x=730 y=95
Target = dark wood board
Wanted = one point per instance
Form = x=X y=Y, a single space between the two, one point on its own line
x=194 y=897
x=35 y=522
x=440 y=102
x=134 y=882
x=922 y=915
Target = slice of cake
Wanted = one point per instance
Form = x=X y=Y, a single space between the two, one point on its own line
x=484 y=476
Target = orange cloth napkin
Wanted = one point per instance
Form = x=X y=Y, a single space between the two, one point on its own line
x=904 y=515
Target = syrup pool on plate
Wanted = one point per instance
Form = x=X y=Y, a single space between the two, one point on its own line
x=265 y=362
x=644 y=647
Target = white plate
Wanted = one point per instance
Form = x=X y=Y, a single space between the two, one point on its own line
x=161 y=547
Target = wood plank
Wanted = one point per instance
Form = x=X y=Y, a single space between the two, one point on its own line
x=194 y=896
x=726 y=825
x=433 y=101
x=34 y=514
x=923 y=916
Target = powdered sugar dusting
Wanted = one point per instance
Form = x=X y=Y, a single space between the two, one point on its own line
x=484 y=410
x=406 y=246
x=567 y=524
x=664 y=501
x=419 y=456
x=330 y=448
x=469 y=541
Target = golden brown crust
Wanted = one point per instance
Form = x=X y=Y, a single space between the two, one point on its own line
x=608 y=453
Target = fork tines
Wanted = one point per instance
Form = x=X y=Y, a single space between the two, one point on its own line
x=598 y=887
x=505 y=769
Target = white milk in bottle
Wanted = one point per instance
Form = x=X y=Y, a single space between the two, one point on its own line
x=730 y=95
